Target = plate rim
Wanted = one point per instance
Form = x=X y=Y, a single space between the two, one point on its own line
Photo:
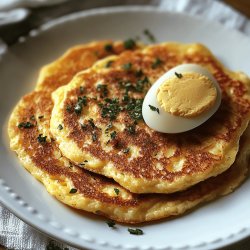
x=8 y=202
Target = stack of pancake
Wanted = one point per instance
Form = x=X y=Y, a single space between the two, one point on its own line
x=81 y=133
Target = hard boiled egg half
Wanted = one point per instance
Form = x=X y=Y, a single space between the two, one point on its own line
x=183 y=98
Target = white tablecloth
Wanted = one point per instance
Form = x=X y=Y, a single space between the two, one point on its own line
x=14 y=233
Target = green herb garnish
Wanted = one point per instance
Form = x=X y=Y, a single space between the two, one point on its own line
x=82 y=101
x=110 y=109
x=70 y=165
x=60 y=127
x=127 y=66
x=135 y=231
x=103 y=89
x=126 y=150
x=69 y=108
x=140 y=84
x=134 y=108
x=83 y=126
x=91 y=123
x=108 y=47
x=139 y=73
x=149 y=35
x=25 y=125
x=73 y=191
x=179 y=75
x=131 y=129
x=109 y=63
x=109 y=126
x=154 y=108
x=41 y=139
x=94 y=137
x=156 y=63
x=116 y=191
x=32 y=118
x=129 y=44
x=110 y=223
x=113 y=135
x=125 y=98
x=81 y=90
x=138 y=87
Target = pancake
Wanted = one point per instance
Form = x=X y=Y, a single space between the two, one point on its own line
x=78 y=58
x=103 y=124
x=81 y=189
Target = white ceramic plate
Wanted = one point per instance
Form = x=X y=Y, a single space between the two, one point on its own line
x=216 y=224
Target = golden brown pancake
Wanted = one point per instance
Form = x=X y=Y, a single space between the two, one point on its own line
x=28 y=126
x=78 y=58
x=100 y=115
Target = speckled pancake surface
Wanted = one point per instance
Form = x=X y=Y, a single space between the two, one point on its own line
x=103 y=131
x=71 y=184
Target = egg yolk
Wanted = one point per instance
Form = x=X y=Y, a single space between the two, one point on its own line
x=187 y=94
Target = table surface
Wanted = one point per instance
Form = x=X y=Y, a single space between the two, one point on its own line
x=242 y=6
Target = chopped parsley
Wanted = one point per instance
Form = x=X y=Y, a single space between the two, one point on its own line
x=116 y=191
x=91 y=123
x=149 y=35
x=138 y=87
x=32 y=118
x=110 y=223
x=69 y=108
x=128 y=86
x=131 y=129
x=41 y=138
x=127 y=66
x=25 y=125
x=94 y=136
x=73 y=191
x=140 y=84
x=70 y=165
x=126 y=150
x=109 y=126
x=139 y=73
x=83 y=126
x=135 y=231
x=81 y=90
x=125 y=98
x=110 y=109
x=60 y=127
x=154 y=108
x=82 y=101
x=129 y=44
x=108 y=47
x=134 y=108
x=179 y=75
x=103 y=89
x=109 y=63
x=113 y=135
x=156 y=63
